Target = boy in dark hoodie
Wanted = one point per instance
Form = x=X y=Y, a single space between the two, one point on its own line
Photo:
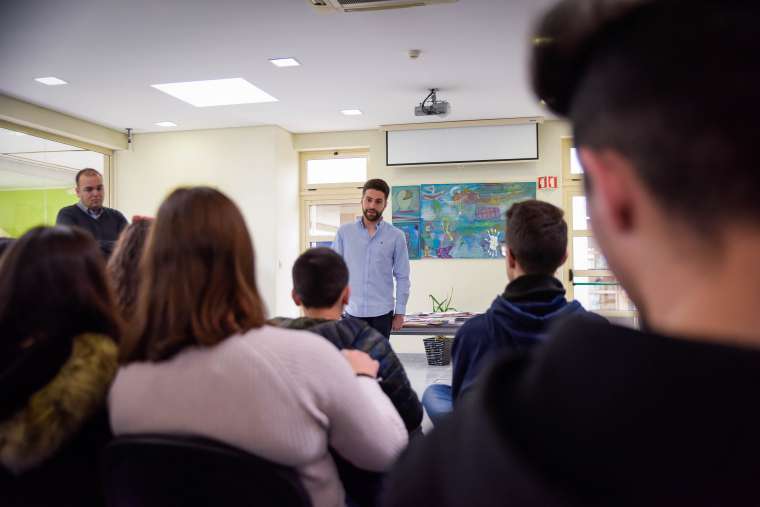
x=536 y=245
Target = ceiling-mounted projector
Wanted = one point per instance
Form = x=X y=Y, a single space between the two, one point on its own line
x=431 y=106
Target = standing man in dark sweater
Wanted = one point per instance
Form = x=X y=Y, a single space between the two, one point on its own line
x=663 y=98
x=105 y=224
x=533 y=301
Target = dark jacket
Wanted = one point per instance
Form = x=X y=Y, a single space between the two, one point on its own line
x=105 y=229
x=598 y=415
x=50 y=444
x=516 y=320
x=356 y=334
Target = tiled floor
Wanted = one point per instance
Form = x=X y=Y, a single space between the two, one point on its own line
x=421 y=375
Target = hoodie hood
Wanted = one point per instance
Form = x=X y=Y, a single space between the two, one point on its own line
x=529 y=307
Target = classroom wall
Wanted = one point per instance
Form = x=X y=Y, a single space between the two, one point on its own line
x=255 y=166
x=20 y=210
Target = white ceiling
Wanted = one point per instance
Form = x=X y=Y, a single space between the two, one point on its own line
x=111 y=51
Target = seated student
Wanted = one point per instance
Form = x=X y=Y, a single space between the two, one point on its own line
x=57 y=361
x=199 y=359
x=320 y=286
x=536 y=245
x=123 y=265
x=663 y=97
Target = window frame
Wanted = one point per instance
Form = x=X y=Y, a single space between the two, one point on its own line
x=325 y=193
x=305 y=156
x=106 y=152
x=573 y=187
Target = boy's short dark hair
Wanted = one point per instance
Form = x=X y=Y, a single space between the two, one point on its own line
x=377 y=184
x=537 y=236
x=670 y=84
x=319 y=277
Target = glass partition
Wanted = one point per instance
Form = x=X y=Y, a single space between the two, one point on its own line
x=37 y=179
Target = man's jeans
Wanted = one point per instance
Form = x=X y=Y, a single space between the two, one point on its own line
x=437 y=402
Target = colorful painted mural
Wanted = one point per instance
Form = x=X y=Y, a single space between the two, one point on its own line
x=462 y=220
x=406 y=203
x=412 y=232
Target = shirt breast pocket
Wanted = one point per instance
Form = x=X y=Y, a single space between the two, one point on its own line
x=385 y=251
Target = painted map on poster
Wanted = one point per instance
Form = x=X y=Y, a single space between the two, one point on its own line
x=462 y=220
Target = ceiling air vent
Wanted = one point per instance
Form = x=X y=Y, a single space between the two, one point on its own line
x=371 y=5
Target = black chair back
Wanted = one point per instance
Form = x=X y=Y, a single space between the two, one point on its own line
x=170 y=471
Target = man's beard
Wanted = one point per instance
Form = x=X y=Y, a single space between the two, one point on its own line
x=373 y=218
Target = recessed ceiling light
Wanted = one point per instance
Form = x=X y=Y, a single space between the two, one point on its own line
x=166 y=124
x=351 y=112
x=51 y=81
x=285 y=62
x=216 y=92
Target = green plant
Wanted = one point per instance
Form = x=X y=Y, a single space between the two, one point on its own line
x=444 y=305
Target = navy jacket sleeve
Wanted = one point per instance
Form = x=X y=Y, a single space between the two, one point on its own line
x=472 y=343
x=395 y=384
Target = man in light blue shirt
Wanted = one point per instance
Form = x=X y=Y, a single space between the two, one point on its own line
x=375 y=252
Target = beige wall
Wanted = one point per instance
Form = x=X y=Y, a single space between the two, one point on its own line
x=256 y=167
x=475 y=281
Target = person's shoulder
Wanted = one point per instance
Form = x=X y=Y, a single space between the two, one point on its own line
x=395 y=230
x=295 y=342
x=69 y=210
x=347 y=227
x=475 y=326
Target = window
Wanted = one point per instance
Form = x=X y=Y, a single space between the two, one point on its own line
x=37 y=172
x=572 y=172
x=331 y=184
x=587 y=275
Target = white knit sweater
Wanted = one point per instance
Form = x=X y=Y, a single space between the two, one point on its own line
x=281 y=394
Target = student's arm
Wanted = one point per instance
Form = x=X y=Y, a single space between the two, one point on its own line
x=364 y=426
x=401 y=274
x=395 y=384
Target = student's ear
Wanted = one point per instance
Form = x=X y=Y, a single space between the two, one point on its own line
x=564 y=259
x=296 y=299
x=614 y=186
x=345 y=295
x=511 y=259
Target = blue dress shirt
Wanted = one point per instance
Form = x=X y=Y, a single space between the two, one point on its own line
x=373 y=263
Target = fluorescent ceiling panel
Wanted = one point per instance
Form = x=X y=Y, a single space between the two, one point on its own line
x=284 y=62
x=216 y=92
x=51 y=81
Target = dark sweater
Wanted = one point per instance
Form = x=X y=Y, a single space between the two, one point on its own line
x=105 y=229
x=356 y=334
x=517 y=320
x=597 y=415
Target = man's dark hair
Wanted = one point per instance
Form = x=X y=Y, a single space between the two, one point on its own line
x=670 y=84
x=87 y=171
x=537 y=236
x=319 y=276
x=377 y=184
